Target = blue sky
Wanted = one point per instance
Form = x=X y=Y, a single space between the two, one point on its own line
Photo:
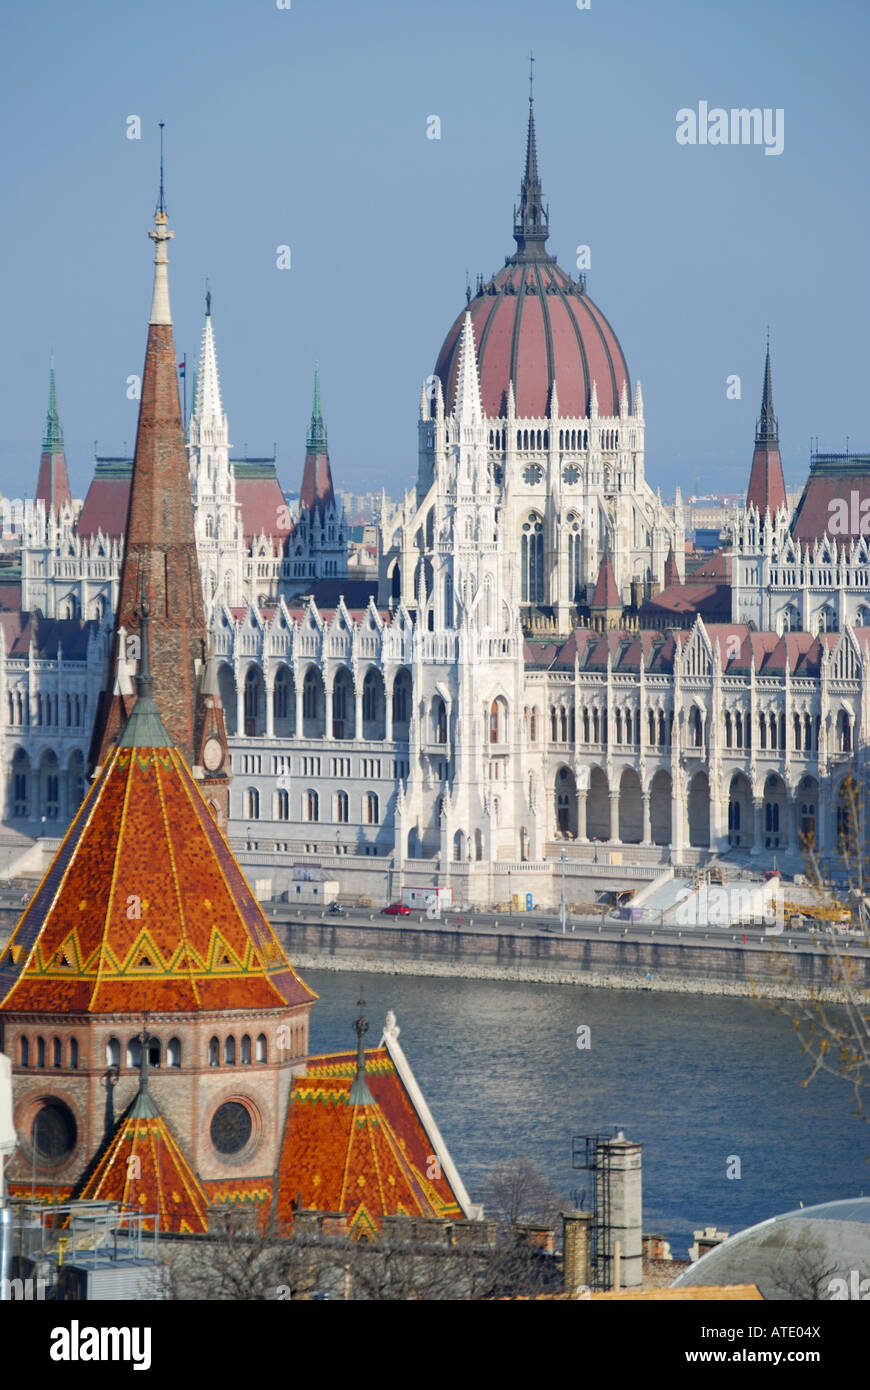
x=307 y=127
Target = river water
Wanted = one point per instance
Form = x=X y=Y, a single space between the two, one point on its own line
x=698 y=1080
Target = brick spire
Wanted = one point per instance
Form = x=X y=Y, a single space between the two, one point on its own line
x=160 y=556
x=766 y=489
x=317 y=491
x=53 y=485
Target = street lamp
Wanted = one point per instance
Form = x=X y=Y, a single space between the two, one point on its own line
x=562 y=857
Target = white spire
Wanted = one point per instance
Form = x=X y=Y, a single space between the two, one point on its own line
x=554 y=401
x=638 y=401
x=468 y=407
x=511 y=400
x=160 y=235
x=623 y=400
x=207 y=406
x=593 y=401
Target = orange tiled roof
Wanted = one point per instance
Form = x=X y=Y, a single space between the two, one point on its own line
x=145 y=908
x=367 y=1160
x=144 y=1168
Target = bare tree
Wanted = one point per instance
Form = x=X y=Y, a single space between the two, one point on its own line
x=517 y=1194
x=832 y=1020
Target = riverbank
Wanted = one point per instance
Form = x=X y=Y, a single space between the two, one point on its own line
x=707 y=967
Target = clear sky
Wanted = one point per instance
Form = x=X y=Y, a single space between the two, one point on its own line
x=306 y=127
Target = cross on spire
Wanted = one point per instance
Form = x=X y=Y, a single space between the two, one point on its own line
x=161 y=201
x=359 y=1091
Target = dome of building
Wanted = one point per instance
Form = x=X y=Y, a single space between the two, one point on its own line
x=534 y=325
x=805 y=1254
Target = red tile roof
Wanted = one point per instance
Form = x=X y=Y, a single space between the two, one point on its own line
x=368 y=1161
x=606 y=592
x=145 y=908
x=143 y=1167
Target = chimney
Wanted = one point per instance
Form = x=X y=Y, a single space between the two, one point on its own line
x=621 y=1171
x=575 y=1249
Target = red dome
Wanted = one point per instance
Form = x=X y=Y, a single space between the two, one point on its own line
x=533 y=325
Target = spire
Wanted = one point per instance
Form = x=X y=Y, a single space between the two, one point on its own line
x=144 y=728
x=359 y=1091
x=52 y=485
x=317 y=429
x=160 y=551
x=207 y=391
x=52 y=439
x=161 y=236
x=143 y=1106
x=766 y=489
x=672 y=574
x=531 y=220
x=468 y=405
x=767 y=427
x=317 y=489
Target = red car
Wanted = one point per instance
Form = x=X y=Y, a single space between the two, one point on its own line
x=396 y=910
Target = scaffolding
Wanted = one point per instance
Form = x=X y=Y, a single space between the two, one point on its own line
x=592 y=1153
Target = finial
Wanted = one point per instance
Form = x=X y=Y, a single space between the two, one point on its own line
x=144 y=1039
x=359 y=1091
x=144 y=681
x=531 y=78
x=207 y=299
x=161 y=201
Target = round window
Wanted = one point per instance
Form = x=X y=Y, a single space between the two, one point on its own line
x=54 y=1131
x=571 y=474
x=231 y=1127
x=533 y=474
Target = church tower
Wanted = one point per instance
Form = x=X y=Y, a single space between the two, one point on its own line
x=160 y=556
x=766 y=491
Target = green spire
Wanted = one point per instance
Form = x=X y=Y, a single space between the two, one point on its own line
x=317 y=430
x=52 y=439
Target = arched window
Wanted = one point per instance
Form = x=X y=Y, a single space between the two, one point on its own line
x=246 y=1050
x=252 y=804
x=214 y=1053
x=24 y=1052
x=173 y=1053
x=373 y=815
x=113 y=1053
x=56 y=1059
x=533 y=725
x=309 y=695
x=341 y=808
x=280 y=694
x=73 y=1054
x=311 y=806
x=282 y=805
x=440 y=712
x=40 y=1052
x=494 y=722
x=261 y=1048
x=230 y=1052
x=532 y=558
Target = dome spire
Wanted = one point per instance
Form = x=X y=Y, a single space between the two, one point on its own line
x=532 y=220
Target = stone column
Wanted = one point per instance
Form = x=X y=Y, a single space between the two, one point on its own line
x=269 y=686
x=388 y=713
x=614 y=817
x=327 y=692
x=240 y=704
x=792 y=817
x=646 y=838
x=758 y=825
x=358 y=711
x=581 y=815
x=297 y=693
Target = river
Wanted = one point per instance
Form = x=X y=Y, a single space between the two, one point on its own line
x=698 y=1080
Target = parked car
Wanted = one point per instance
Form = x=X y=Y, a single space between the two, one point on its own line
x=335 y=910
x=396 y=910
x=772 y=873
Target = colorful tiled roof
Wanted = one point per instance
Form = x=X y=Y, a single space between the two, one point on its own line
x=368 y=1160
x=144 y=1168
x=145 y=908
